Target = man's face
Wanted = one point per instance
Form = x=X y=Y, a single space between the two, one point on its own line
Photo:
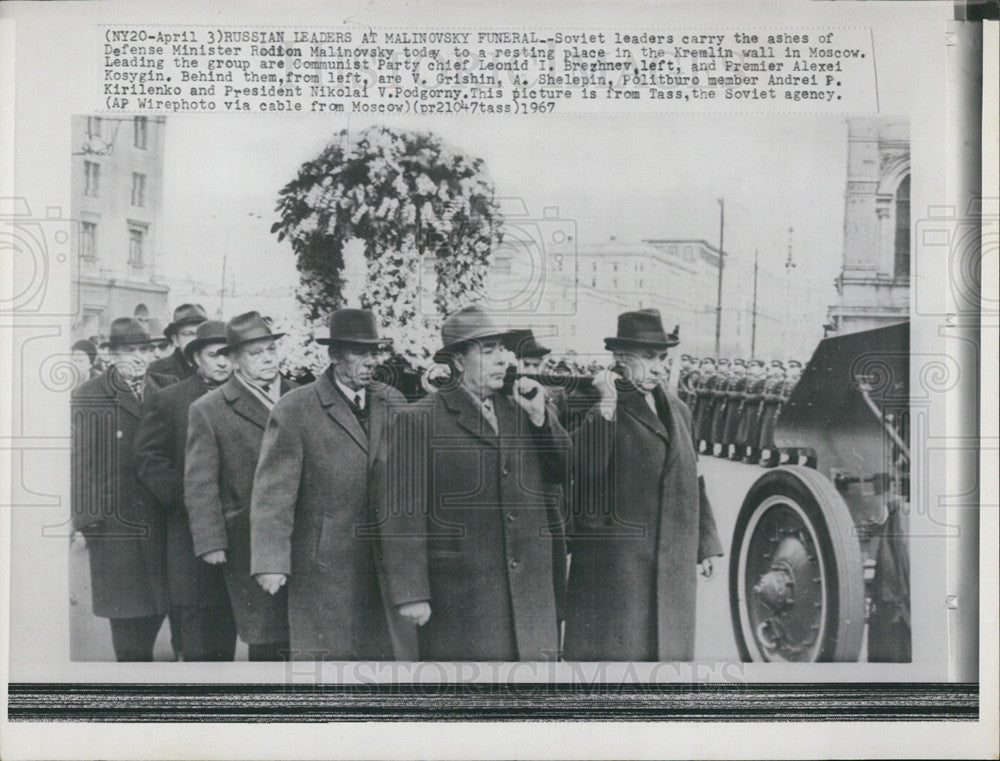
x=258 y=360
x=353 y=364
x=645 y=368
x=184 y=335
x=529 y=364
x=212 y=364
x=132 y=360
x=483 y=365
x=82 y=364
x=794 y=373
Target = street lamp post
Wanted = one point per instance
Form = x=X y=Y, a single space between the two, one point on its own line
x=718 y=301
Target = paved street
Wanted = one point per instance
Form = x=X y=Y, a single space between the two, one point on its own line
x=727 y=483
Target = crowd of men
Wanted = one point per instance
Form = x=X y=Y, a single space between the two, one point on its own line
x=339 y=520
x=736 y=403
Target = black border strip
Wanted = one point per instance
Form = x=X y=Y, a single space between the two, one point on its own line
x=492 y=702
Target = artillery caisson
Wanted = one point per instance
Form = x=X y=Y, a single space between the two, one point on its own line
x=820 y=550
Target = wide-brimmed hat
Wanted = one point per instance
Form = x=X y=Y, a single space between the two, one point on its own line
x=209 y=332
x=244 y=328
x=354 y=326
x=473 y=323
x=185 y=314
x=641 y=329
x=127 y=331
x=525 y=346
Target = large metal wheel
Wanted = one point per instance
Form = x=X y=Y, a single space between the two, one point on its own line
x=796 y=582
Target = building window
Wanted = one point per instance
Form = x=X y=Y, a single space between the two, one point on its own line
x=139 y=126
x=593 y=266
x=94 y=126
x=640 y=282
x=136 y=244
x=88 y=240
x=91 y=179
x=614 y=266
x=902 y=257
x=614 y=282
x=593 y=282
x=138 y=189
x=672 y=250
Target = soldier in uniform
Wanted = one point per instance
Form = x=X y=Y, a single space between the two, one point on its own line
x=749 y=429
x=791 y=380
x=770 y=409
x=691 y=385
x=225 y=431
x=187 y=318
x=703 y=409
x=123 y=529
x=735 y=393
x=720 y=401
x=200 y=612
x=682 y=378
x=473 y=545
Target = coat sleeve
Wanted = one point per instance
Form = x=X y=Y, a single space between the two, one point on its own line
x=402 y=513
x=275 y=492
x=553 y=447
x=709 y=544
x=201 y=484
x=154 y=464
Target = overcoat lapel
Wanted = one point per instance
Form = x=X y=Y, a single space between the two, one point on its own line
x=635 y=405
x=244 y=403
x=336 y=407
x=460 y=404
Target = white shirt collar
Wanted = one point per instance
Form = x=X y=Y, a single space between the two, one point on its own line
x=359 y=396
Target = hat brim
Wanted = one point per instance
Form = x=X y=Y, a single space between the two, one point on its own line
x=614 y=342
x=175 y=326
x=230 y=348
x=355 y=341
x=200 y=343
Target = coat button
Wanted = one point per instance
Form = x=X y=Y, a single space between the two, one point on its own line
x=511 y=517
x=514 y=564
x=118 y=434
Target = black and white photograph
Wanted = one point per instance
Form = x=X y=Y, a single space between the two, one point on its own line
x=518 y=367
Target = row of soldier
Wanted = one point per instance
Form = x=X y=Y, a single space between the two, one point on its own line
x=736 y=403
x=335 y=520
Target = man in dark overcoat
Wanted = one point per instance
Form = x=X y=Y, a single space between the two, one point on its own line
x=720 y=403
x=735 y=392
x=770 y=409
x=641 y=524
x=200 y=612
x=123 y=529
x=703 y=408
x=225 y=430
x=181 y=331
x=312 y=523
x=472 y=541
x=748 y=432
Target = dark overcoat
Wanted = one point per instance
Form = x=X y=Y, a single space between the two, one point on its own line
x=173 y=364
x=125 y=532
x=225 y=430
x=473 y=527
x=748 y=434
x=311 y=518
x=734 y=409
x=770 y=407
x=159 y=456
x=705 y=406
x=720 y=403
x=640 y=525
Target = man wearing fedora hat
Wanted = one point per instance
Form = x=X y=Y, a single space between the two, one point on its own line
x=225 y=430
x=124 y=531
x=187 y=318
x=200 y=612
x=472 y=539
x=641 y=524
x=313 y=526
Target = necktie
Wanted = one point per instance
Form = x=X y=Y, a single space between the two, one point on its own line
x=489 y=414
x=359 y=401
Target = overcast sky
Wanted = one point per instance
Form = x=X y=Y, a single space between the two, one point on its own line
x=633 y=177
